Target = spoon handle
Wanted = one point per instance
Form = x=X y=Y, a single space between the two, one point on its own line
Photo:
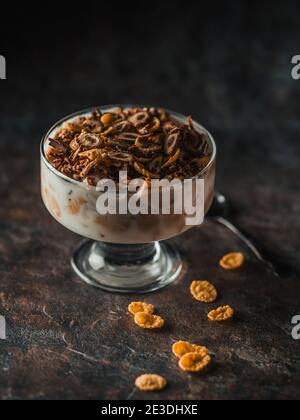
x=270 y=261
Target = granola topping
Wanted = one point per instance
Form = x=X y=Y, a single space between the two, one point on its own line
x=147 y=143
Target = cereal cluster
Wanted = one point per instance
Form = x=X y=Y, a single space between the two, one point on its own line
x=193 y=358
x=143 y=316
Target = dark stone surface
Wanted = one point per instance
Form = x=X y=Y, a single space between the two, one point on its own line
x=231 y=71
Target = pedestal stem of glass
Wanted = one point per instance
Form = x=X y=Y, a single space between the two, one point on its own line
x=127 y=268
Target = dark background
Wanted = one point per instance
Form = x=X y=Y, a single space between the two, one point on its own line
x=229 y=65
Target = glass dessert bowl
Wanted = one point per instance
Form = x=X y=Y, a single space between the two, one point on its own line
x=124 y=252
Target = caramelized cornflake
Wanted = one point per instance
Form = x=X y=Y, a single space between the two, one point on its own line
x=136 y=307
x=203 y=291
x=194 y=362
x=150 y=382
x=183 y=347
x=148 y=321
x=223 y=313
x=232 y=261
x=156 y=146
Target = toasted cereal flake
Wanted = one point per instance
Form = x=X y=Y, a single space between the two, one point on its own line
x=183 y=347
x=232 y=261
x=221 y=314
x=203 y=291
x=136 y=307
x=148 y=321
x=150 y=382
x=194 y=362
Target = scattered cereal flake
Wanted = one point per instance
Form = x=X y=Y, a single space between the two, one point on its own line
x=204 y=291
x=221 y=314
x=150 y=382
x=232 y=261
x=194 y=362
x=183 y=347
x=136 y=307
x=148 y=321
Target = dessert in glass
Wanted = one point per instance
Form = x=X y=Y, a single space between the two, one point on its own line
x=124 y=252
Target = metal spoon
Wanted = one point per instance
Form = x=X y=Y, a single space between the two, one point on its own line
x=219 y=212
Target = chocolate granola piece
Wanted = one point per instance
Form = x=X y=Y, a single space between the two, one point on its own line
x=139 y=119
x=156 y=164
x=151 y=127
x=90 y=140
x=122 y=127
x=172 y=141
x=56 y=144
x=121 y=157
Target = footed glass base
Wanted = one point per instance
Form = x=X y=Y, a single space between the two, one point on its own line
x=127 y=268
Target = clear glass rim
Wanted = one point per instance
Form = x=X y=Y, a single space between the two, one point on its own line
x=107 y=108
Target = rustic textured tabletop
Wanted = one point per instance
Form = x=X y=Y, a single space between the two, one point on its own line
x=68 y=340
